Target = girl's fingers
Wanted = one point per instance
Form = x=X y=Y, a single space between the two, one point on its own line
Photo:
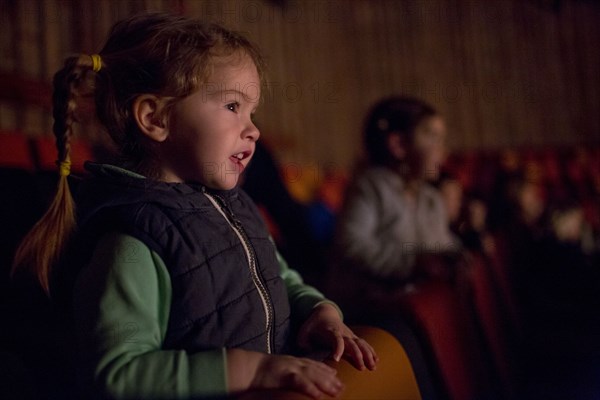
x=332 y=388
x=354 y=353
x=324 y=367
x=309 y=365
x=369 y=356
x=315 y=382
x=329 y=385
x=339 y=347
x=360 y=353
x=309 y=388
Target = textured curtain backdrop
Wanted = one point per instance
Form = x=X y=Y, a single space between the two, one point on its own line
x=514 y=72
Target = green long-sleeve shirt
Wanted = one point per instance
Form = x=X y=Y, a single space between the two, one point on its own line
x=122 y=300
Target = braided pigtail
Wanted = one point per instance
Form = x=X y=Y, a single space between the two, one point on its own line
x=42 y=247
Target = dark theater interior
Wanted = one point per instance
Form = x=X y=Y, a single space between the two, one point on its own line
x=419 y=219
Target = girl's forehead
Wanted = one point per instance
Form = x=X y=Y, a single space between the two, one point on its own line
x=235 y=67
x=237 y=80
x=234 y=75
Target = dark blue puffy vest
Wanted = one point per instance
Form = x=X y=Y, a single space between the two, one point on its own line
x=226 y=287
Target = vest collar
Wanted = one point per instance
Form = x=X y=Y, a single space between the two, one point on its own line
x=113 y=172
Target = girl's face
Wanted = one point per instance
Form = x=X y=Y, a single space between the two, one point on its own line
x=211 y=134
x=429 y=148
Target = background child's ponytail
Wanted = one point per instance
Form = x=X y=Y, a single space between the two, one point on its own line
x=43 y=245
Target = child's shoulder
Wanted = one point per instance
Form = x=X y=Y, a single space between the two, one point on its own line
x=378 y=178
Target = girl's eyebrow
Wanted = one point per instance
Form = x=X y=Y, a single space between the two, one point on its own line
x=245 y=96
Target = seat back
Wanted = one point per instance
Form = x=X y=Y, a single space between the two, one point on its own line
x=46 y=154
x=15 y=152
x=440 y=317
x=492 y=322
x=393 y=379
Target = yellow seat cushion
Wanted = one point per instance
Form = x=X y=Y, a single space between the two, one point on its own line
x=393 y=379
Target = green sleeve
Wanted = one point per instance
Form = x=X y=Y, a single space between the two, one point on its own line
x=122 y=300
x=303 y=298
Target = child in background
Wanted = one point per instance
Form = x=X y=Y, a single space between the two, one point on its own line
x=393 y=229
x=394 y=226
x=467 y=215
x=175 y=286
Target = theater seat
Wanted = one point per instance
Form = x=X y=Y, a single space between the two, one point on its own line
x=442 y=320
x=15 y=152
x=501 y=275
x=46 y=154
x=492 y=322
x=393 y=379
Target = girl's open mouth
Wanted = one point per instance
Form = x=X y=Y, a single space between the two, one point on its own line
x=237 y=159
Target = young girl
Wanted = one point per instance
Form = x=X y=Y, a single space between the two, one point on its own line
x=393 y=227
x=178 y=290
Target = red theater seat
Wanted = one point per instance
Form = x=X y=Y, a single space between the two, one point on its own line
x=15 y=151
x=437 y=311
x=47 y=154
x=491 y=321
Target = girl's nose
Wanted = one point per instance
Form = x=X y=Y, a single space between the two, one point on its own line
x=251 y=132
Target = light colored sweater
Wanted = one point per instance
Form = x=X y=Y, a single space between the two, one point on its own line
x=381 y=231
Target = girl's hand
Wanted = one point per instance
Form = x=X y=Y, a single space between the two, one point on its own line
x=325 y=328
x=254 y=370
x=300 y=374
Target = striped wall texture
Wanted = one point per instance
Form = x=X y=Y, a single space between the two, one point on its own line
x=504 y=73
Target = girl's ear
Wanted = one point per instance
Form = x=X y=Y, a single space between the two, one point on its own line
x=396 y=146
x=149 y=118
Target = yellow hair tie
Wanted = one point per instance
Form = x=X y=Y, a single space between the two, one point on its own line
x=64 y=168
x=96 y=62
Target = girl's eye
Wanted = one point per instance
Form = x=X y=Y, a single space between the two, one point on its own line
x=233 y=106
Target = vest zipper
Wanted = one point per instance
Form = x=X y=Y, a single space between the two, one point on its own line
x=261 y=287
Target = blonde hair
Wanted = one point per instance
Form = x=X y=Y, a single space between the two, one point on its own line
x=162 y=54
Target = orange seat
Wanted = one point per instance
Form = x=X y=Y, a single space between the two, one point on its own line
x=393 y=379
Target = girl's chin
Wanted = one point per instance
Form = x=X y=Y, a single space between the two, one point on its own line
x=227 y=184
